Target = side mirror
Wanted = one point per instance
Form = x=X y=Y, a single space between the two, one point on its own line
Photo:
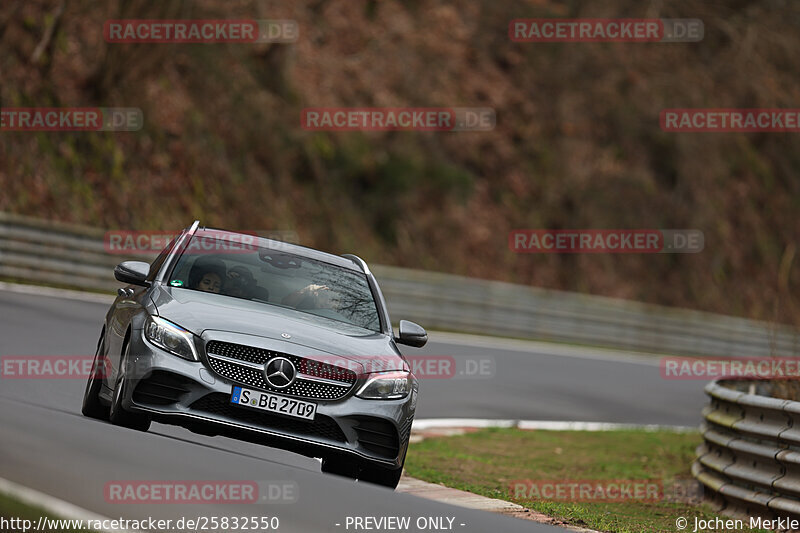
x=412 y=334
x=133 y=272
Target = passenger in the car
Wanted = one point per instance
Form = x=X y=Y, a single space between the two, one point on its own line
x=207 y=274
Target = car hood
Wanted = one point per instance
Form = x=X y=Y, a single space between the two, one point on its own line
x=199 y=312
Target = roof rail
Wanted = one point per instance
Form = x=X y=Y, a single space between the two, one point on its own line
x=360 y=262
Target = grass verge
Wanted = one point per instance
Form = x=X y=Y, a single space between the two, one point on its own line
x=489 y=462
x=19 y=512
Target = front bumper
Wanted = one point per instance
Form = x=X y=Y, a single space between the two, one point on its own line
x=189 y=394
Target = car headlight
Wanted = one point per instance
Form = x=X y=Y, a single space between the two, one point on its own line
x=170 y=337
x=386 y=386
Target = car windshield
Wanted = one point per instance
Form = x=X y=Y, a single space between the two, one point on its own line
x=277 y=278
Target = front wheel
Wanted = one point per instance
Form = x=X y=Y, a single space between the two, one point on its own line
x=92 y=407
x=118 y=415
x=340 y=467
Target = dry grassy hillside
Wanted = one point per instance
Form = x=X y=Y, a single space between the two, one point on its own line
x=577 y=142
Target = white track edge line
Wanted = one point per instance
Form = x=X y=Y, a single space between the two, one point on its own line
x=51 y=504
x=545 y=425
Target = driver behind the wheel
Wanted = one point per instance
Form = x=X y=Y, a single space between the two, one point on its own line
x=207 y=274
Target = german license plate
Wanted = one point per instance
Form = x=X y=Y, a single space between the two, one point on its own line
x=273 y=403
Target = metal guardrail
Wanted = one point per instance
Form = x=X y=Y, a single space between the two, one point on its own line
x=74 y=256
x=749 y=462
x=52 y=252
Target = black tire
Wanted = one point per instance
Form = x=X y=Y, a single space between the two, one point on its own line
x=340 y=467
x=92 y=406
x=117 y=414
x=378 y=475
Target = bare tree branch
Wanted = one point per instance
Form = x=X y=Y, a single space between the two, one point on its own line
x=46 y=44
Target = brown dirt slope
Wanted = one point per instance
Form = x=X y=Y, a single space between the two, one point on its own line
x=577 y=143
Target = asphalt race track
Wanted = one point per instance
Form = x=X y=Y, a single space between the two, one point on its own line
x=46 y=444
x=530 y=382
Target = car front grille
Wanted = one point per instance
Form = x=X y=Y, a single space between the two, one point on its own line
x=245 y=364
x=219 y=404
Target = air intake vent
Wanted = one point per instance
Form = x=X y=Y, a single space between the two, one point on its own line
x=161 y=388
x=378 y=436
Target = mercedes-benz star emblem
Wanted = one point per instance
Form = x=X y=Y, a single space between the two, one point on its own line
x=286 y=336
x=280 y=372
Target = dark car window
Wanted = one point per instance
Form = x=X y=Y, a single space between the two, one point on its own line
x=276 y=278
